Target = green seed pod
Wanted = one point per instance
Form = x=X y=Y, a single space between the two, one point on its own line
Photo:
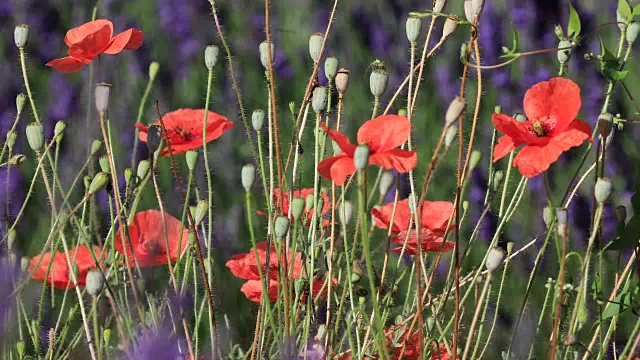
x=106 y=336
x=98 y=183
x=465 y=206
x=346 y=212
x=564 y=54
x=154 y=138
x=413 y=28
x=154 y=67
x=104 y=164
x=263 y=48
x=20 y=101
x=292 y=107
x=451 y=134
x=361 y=157
x=386 y=181
x=308 y=202
x=11 y=239
x=211 y=56
x=11 y=139
x=35 y=136
x=143 y=169
x=315 y=45
x=331 y=65
x=342 y=80
x=632 y=32
x=378 y=81
x=17 y=159
x=362 y=300
x=102 y=97
x=430 y=323
x=248 y=176
x=95 y=282
x=24 y=264
x=455 y=110
x=281 y=226
x=603 y=189
x=95 y=147
x=297 y=208
x=355 y=277
x=319 y=99
x=20 y=349
x=192 y=159
x=201 y=211
x=474 y=160
x=58 y=130
x=257 y=119
x=21 y=35
x=128 y=175
x=320 y=204
x=498 y=175
x=605 y=123
x=494 y=259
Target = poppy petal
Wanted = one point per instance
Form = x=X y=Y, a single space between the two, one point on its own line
x=436 y=214
x=66 y=64
x=517 y=131
x=401 y=220
x=558 y=98
x=385 y=132
x=252 y=289
x=402 y=161
x=92 y=45
x=238 y=264
x=504 y=146
x=78 y=34
x=59 y=273
x=343 y=142
x=128 y=40
x=337 y=168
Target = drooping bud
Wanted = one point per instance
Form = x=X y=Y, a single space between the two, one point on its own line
x=315 y=45
x=621 y=213
x=17 y=159
x=104 y=164
x=564 y=52
x=378 y=81
x=472 y=9
x=263 y=48
x=498 y=175
x=192 y=159
x=547 y=216
x=11 y=139
x=95 y=147
x=342 y=80
x=143 y=169
x=438 y=5
x=98 y=183
x=35 y=136
x=154 y=67
x=102 y=97
x=632 y=32
x=413 y=28
x=605 y=122
x=24 y=264
x=248 y=176
x=331 y=65
x=455 y=110
x=319 y=99
x=58 y=130
x=281 y=226
x=474 y=159
x=345 y=213
x=494 y=258
x=95 y=282
x=154 y=138
x=257 y=119
x=201 y=211
x=11 y=239
x=309 y=202
x=361 y=157
x=603 y=189
x=20 y=101
x=386 y=181
x=211 y=56
x=21 y=35
x=451 y=134
x=297 y=208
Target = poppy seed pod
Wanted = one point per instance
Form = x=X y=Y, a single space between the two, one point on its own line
x=263 y=48
x=632 y=32
x=11 y=139
x=248 y=176
x=201 y=211
x=95 y=147
x=102 y=97
x=11 y=239
x=361 y=157
x=474 y=160
x=154 y=138
x=331 y=65
x=472 y=9
x=438 y=5
x=143 y=169
x=448 y=28
x=104 y=164
x=547 y=216
x=564 y=54
x=315 y=45
x=319 y=99
x=345 y=213
x=20 y=101
x=35 y=136
x=211 y=56
x=24 y=264
x=413 y=27
x=21 y=35
x=342 y=80
x=309 y=203
x=257 y=119
x=498 y=175
x=605 y=120
x=95 y=282
x=495 y=258
x=455 y=110
x=603 y=189
x=297 y=208
x=17 y=159
x=154 y=67
x=192 y=159
x=386 y=181
x=281 y=226
x=378 y=81
x=451 y=134
x=621 y=213
x=98 y=183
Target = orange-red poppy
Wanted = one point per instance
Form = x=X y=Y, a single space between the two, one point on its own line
x=59 y=275
x=383 y=135
x=184 y=127
x=87 y=41
x=551 y=129
x=148 y=239
x=433 y=221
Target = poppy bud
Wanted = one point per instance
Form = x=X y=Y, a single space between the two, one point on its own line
x=320 y=204
x=20 y=348
x=331 y=65
x=104 y=164
x=154 y=138
x=345 y=212
x=281 y=226
x=402 y=112
x=24 y=264
x=474 y=160
x=11 y=239
x=361 y=157
x=605 y=121
x=319 y=99
x=20 y=101
x=102 y=96
x=547 y=216
x=342 y=80
x=603 y=189
x=297 y=208
x=143 y=169
x=248 y=176
x=211 y=56
x=378 y=81
x=564 y=54
x=438 y=5
x=494 y=258
x=315 y=45
x=257 y=119
x=11 y=139
x=106 y=336
x=128 y=175
x=17 y=159
x=498 y=175
x=87 y=182
x=21 y=35
x=413 y=27
x=95 y=282
x=263 y=48
x=362 y=300
x=35 y=136
x=58 y=130
x=632 y=32
x=519 y=117
x=154 y=67
x=308 y=202
x=451 y=134
x=98 y=183
x=192 y=159
x=472 y=9
x=386 y=181
x=621 y=213
x=455 y=110
x=201 y=211
x=95 y=147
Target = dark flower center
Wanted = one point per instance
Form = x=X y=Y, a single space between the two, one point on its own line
x=185 y=135
x=538 y=129
x=152 y=247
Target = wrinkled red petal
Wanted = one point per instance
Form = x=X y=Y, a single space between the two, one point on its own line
x=504 y=146
x=66 y=64
x=401 y=220
x=340 y=139
x=558 y=98
x=59 y=273
x=337 y=168
x=402 y=161
x=92 y=45
x=78 y=34
x=129 y=40
x=238 y=264
x=517 y=131
x=435 y=215
x=252 y=289
x=429 y=240
x=384 y=133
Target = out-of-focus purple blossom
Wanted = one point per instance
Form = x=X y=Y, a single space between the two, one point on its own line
x=376 y=37
x=9 y=276
x=176 y=17
x=10 y=186
x=159 y=345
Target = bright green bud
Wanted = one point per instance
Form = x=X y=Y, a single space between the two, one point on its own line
x=95 y=147
x=106 y=336
x=128 y=175
x=211 y=56
x=20 y=101
x=20 y=349
x=308 y=202
x=35 y=136
x=58 y=130
x=143 y=169
x=11 y=139
x=292 y=107
x=474 y=160
x=192 y=159
x=104 y=164
x=11 y=239
x=154 y=67
x=98 y=183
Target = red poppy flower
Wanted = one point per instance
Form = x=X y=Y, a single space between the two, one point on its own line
x=184 y=127
x=434 y=219
x=252 y=289
x=398 y=336
x=59 y=274
x=148 y=239
x=552 y=128
x=92 y=39
x=302 y=194
x=383 y=135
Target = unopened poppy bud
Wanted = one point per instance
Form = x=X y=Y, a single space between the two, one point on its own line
x=211 y=56
x=154 y=67
x=192 y=159
x=378 y=81
x=201 y=211
x=292 y=107
x=621 y=213
x=455 y=110
x=498 y=175
x=104 y=164
x=451 y=134
x=361 y=157
x=128 y=175
x=20 y=101
x=346 y=212
x=319 y=99
x=154 y=138
x=315 y=45
x=95 y=147
x=106 y=336
x=355 y=277
x=24 y=264
x=281 y=226
x=603 y=189
x=95 y=282
x=257 y=119
x=248 y=176
x=520 y=117
x=11 y=139
x=102 y=96
x=494 y=258
x=297 y=208
x=11 y=239
x=143 y=169
x=320 y=204
x=448 y=28
x=342 y=80
x=413 y=27
x=20 y=348
x=362 y=300
x=21 y=35
x=632 y=32
x=264 y=48
x=58 y=130
x=98 y=183
x=564 y=54
x=331 y=65
x=474 y=160
x=547 y=216
x=605 y=121
x=431 y=322
x=17 y=159
x=35 y=136
x=472 y=9
x=386 y=181
x=309 y=203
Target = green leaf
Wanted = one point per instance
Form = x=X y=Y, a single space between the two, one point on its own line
x=624 y=9
x=596 y=287
x=620 y=304
x=610 y=65
x=573 y=28
x=636 y=10
x=515 y=40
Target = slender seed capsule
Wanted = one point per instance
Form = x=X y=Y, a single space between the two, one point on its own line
x=331 y=65
x=297 y=208
x=361 y=157
x=263 y=48
x=192 y=159
x=257 y=119
x=319 y=99
x=21 y=35
x=102 y=97
x=281 y=226
x=342 y=80
x=201 y=211
x=315 y=45
x=20 y=101
x=603 y=189
x=35 y=136
x=211 y=56
x=413 y=28
x=154 y=67
x=248 y=176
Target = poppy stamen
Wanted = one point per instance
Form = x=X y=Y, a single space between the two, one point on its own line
x=538 y=128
